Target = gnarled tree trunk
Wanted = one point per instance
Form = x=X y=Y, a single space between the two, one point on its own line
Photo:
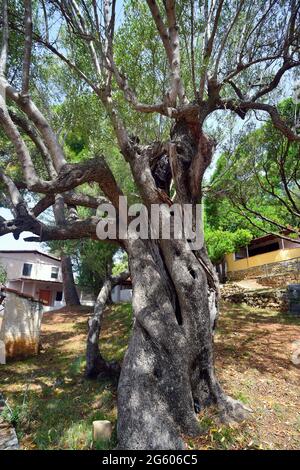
x=168 y=371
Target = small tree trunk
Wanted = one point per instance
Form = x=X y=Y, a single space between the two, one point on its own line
x=95 y=364
x=223 y=277
x=70 y=291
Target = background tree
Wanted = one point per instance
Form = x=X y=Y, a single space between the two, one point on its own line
x=172 y=65
x=257 y=186
x=219 y=242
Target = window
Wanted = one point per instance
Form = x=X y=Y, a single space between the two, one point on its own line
x=241 y=254
x=27 y=268
x=54 y=272
x=260 y=250
x=59 y=296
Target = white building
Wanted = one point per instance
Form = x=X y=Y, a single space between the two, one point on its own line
x=122 y=292
x=36 y=274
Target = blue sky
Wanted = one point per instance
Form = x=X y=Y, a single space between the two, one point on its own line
x=7 y=242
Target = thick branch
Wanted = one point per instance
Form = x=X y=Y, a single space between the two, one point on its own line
x=41 y=123
x=208 y=48
x=21 y=149
x=176 y=83
x=16 y=199
x=30 y=130
x=161 y=28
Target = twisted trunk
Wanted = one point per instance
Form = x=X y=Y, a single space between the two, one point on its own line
x=168 y=371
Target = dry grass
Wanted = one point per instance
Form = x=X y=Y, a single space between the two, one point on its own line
x=54 y=406
x=59 y=405
x=253 y=360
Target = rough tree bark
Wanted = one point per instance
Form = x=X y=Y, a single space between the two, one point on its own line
x=95 y=364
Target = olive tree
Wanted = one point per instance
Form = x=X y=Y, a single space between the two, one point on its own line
x=175 y=63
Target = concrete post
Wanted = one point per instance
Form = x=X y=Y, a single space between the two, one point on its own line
x=102 y=430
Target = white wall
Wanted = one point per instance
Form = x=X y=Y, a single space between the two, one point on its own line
x=56 y=306
x=86 y=298
x=41 y=269
x=121 y=295
x=20 y=325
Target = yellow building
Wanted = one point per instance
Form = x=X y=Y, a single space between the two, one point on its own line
x=267 y=255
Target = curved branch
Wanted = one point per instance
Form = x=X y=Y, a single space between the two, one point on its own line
x=75 y=174
x=71 y=199
x=279 y=235
x=242 y=107
x=287 y=65
x=41 y=123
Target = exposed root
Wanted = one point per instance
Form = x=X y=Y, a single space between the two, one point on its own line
x=232 y=411
x=111 y=370
x=103 y=369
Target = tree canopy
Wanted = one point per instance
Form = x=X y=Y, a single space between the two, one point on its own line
x=257 y=185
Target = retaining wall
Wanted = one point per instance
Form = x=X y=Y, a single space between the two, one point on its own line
x=20 y=325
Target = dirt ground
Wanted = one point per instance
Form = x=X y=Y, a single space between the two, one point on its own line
x=54 y=406
x=254 y=351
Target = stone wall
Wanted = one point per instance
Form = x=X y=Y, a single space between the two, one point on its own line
x=290 y=267
x=20 y=325
x=273 y=299
x=280 y=280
